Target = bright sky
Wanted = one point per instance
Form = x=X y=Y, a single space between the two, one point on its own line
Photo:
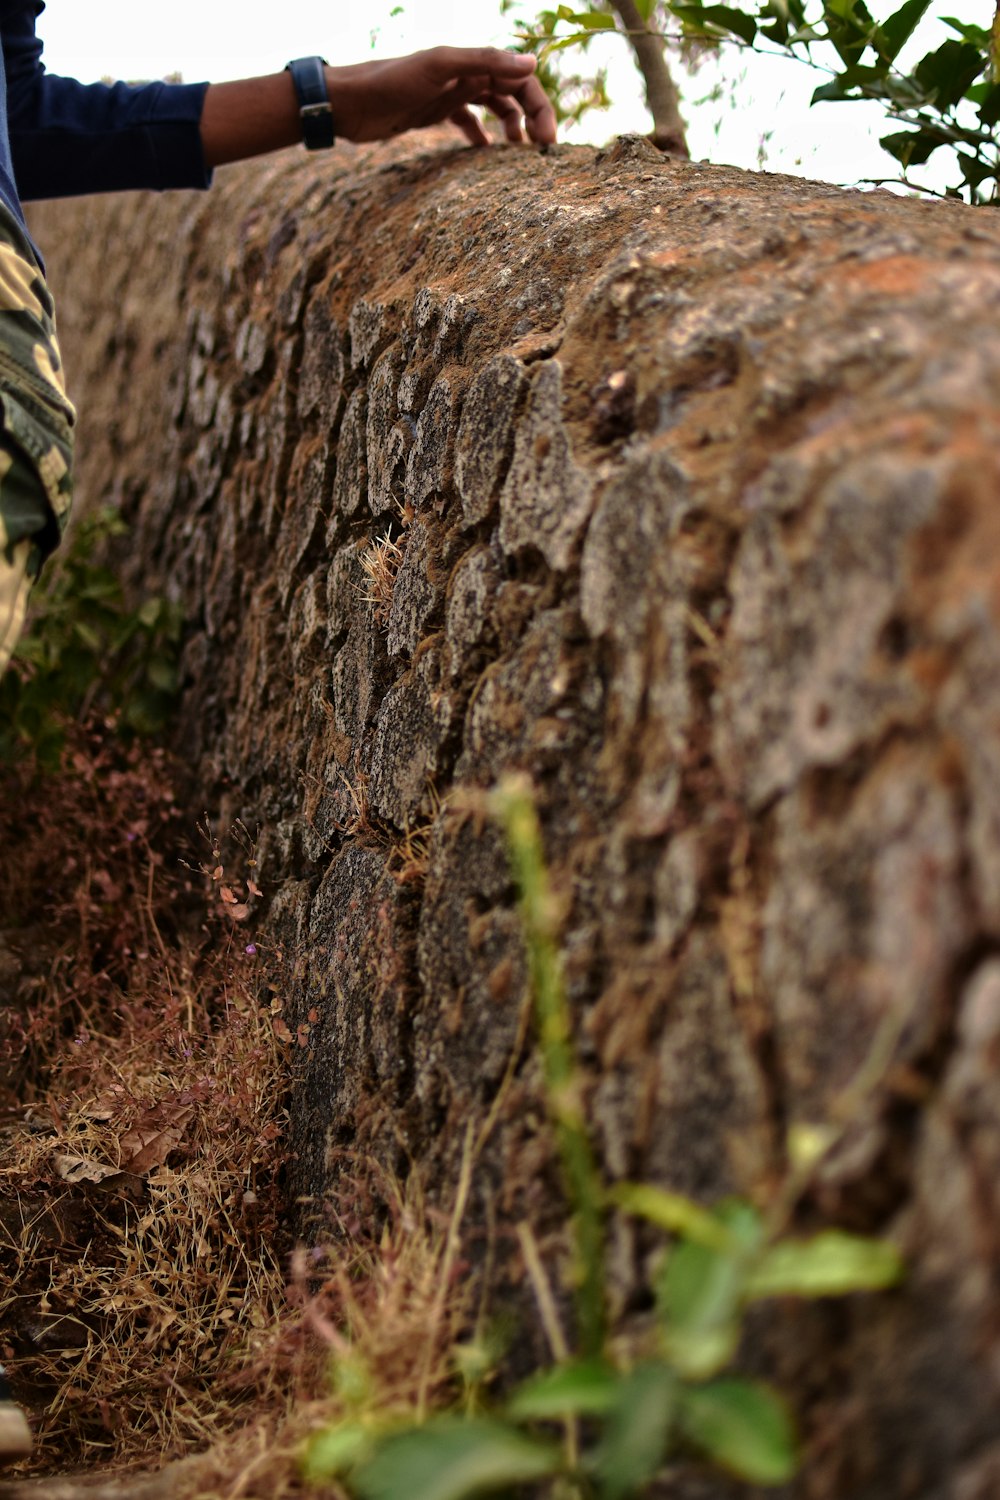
x=767 y=121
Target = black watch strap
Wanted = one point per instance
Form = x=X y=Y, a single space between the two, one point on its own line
x=314 y=102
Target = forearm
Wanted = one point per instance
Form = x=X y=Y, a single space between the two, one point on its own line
x=374 y=100
x=249 y=118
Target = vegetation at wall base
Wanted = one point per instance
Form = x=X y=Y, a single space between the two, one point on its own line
x=150 y=1309
x=86 y=653
x=622 y=1421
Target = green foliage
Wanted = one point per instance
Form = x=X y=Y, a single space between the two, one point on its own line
x=637 y=1430
x=451 y=1457
x=744 y=1428
x=516 y=812
x=671 y=1397
x=573 y=94
x=948 y=98
x=584 y=1388
x=85 y=651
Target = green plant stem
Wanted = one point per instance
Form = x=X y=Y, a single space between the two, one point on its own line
x=516 y=811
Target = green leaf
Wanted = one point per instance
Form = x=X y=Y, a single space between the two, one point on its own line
x=714 y=18
x=672 y=1211
x=776 y=14
x=638 y=1431
x=586 y=1388
x=900 y=26
x=742 y=1221
x=735 y=21
x=969 y=33
x=910 y=147
x=645 y=8
x=946 y=73
x=335 y=1451
x=560 y=45
x=698 y=1294
x=853 y=83
x=974 y=169
x=987 y=97
x=830 y=1264
x=592 y=20
x=451 y=1458
x=902 y=93
x=786 y=23
x=851 y=29
x=742 y=1426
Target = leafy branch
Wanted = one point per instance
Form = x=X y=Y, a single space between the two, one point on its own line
x=949 y=98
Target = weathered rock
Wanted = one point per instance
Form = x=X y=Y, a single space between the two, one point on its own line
x=692 y=478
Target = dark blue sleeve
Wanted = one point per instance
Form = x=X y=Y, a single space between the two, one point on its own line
x=68 y=137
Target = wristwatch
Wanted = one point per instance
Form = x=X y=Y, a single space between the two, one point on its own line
x=314 y=102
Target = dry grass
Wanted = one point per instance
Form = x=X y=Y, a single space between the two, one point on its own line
x=142 y=1249
x=149 y=1306
x=141 y=1239
x=380 y=563
x=378 y=1325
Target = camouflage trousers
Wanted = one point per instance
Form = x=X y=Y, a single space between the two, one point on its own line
x=36 y=429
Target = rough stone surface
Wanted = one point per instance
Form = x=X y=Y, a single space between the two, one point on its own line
x=694 y=477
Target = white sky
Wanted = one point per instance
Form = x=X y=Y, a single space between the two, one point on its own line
x=219 y=39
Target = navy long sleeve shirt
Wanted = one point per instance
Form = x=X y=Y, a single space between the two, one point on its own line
x=59 y=137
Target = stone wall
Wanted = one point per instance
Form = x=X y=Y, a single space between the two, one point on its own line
x=680 y=488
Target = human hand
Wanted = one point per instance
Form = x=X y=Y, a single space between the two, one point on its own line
x=374 y=100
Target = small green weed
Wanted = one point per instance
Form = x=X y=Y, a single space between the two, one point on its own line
x=677 y=1395
x=86 y=652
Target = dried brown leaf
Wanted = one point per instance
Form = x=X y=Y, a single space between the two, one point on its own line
x=152 y=1138
x=73 y=1168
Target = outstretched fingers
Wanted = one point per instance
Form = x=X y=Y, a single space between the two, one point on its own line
x=446 y=63
x=504 y=82
x=529 y=105
x=470 y=125
x=536 y=106
x=507 y=111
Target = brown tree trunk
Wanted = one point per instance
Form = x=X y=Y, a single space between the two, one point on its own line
x=662 y=97
x=693 y=476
